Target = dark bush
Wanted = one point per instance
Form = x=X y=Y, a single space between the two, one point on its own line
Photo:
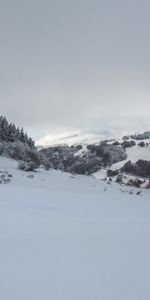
x=141 y=144
x=27 y=166
x=112 y=173
x=135 y=182
x=140 y=168
x=128 y=144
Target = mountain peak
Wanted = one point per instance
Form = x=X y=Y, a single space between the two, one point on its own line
x=74 y=137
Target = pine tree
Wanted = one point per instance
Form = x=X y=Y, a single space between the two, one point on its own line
x=10 y=133
x=3 y=129
x=22 y=135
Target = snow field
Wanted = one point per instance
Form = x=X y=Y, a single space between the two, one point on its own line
x=72 y=237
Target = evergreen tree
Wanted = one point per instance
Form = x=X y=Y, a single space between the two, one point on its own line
x=3 y=129
x=22 y=135
x=10 y=133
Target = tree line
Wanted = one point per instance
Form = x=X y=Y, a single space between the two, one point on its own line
x=10 y=133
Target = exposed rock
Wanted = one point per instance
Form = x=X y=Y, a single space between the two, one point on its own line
x=139 y=193
x=131 y=192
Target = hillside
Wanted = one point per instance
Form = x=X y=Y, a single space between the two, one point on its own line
x=136 y=153
x=72 y=237
x=73 y=137
x=125 y=160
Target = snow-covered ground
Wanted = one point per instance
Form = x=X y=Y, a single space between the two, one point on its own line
x=134 y=154
x=65 y=237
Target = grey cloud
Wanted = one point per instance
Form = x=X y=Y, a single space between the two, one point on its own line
x=75 y=63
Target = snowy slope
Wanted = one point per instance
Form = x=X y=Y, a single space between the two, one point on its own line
x=72 y=137
x=134 y=154
x=68 y=237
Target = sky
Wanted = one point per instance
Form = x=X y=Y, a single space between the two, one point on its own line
x=75 y=64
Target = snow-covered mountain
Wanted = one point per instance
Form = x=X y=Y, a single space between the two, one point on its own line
x=68 y=237
x=74 y=137
x=102 y=156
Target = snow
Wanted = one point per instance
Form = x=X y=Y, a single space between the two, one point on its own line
x=134 y=154
x=74 y=137
x=69 y=137
x=68 y=237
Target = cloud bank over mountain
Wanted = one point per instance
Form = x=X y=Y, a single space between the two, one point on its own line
x=79 y=64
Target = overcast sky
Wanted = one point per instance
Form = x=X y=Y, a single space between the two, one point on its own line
x=75 y=63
